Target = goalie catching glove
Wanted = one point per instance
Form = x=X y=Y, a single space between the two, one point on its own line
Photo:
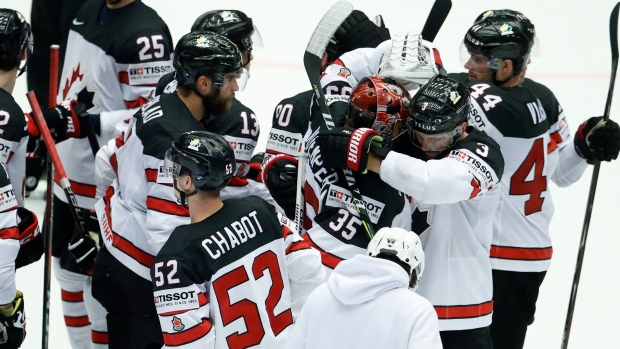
x=597 y=139
x=13 y=323
x=348 y=147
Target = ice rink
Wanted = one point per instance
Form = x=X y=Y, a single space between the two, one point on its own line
x=574 y=62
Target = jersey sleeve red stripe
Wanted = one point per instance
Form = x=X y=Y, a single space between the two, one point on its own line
x=521 y=253
x=165 y=206
x=188 y=336
x=464 y=311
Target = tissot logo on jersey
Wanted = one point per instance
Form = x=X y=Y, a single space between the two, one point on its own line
x=5 y=150
x=478 y=168
x=7 y=198
x=148 y=73
x=243 y=147
x=233 y=235
x=177 y=299
x=340 y=197
x=284 y=142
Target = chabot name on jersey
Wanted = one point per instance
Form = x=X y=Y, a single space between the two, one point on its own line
x=284 y=141
x=477 y=167
x=177 y=299
x=341 y=197
x=233 y=235
x=148 y=73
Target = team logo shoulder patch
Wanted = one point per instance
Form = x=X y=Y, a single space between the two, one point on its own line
x=177 y=325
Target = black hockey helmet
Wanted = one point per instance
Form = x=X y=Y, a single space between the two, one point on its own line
x=500 y=35
x=356 y=31
x=15 y=35
x=208 y=157
x=439 y=108
x=233 y=24
x=205 y=53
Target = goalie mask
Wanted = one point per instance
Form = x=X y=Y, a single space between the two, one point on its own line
x=206 y=156
x=380 y=104
x=404 y=245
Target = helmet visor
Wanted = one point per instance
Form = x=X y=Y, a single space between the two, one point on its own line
x=436 y=142
x=172 y=168
x=236 y=80
x=480 y=59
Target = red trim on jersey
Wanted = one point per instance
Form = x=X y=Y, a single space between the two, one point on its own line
x=556 y=136
x=114 y=163
x=311 y=198
x=10 y=157
x=165 y=206
x=437 y=57
x=128 y=248
x=81 y=189
x=463 y=311
x=286 y=231
x=99 y=337
x=9 y=233
x=10 y=209
x=67 y=296
x=192 y=334
x=137 y=103
x=151 y=175
x=77 y=321
x=328 y=259
x=338 y=62
x=297 y=246
x=238 y=182
x=123 y=77
x=521 y=253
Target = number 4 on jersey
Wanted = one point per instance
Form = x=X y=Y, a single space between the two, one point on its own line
x=491 y=100
x=519 y=185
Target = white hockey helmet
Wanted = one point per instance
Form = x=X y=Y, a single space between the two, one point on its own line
x=411 y=60
x=405 y=245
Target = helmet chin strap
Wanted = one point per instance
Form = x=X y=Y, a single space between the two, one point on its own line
x=183 y=195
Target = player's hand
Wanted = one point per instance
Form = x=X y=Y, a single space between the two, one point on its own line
x=280 y=177
x=30 y=241
x=255 y=173
x=84 y=249
x=13 y=323
x=347 y=147
x=65 y=120
x=597 y=139
x=358 y=31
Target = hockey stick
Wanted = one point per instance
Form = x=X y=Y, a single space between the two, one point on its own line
x=613 y=36
x=434 y=21
x=312 y=62
x=302 y=160
x=49 y=196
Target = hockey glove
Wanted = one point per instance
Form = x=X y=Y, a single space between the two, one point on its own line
x=13 y=324
x=347 y=147
x=30 y=240
x=355 y=32
x=597 y=139
x=280 y=177
x=256 y=163
x=84 y=249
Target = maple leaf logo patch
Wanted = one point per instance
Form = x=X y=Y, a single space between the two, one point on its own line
x=177 y=325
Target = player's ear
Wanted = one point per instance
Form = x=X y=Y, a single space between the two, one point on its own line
x=204 y=84
x=506 y=67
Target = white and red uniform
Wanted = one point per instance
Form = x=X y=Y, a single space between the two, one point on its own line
x=9 y=237
x=237 y=279
x=454 y=201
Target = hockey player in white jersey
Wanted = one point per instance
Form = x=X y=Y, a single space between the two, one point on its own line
x=379 y=105
x=139 y=211
x=116 y=52
x=377 y=285
x=237 y=260
x=452 y=171
x=525 y=118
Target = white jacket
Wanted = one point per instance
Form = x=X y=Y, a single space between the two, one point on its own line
x=365 y=303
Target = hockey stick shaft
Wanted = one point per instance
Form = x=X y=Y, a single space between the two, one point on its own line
x=48 y=224
x=312 y=62
x=436 y=17
x=302 y=160
x=613 y=36
x=60 y=173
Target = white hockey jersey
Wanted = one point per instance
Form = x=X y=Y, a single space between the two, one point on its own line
x=13 y=142
x=113 y=68
x=236 y=279
x=454 y=202
x=530 y=126
x=9 y=238
x=365 y=304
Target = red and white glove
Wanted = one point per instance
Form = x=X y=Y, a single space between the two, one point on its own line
x=347 y=147
x=30 y=241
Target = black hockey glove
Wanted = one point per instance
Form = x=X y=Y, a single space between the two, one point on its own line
x=355 y=32
x=280 y=177
x=30 y=241
x=13 y=324
x=347 y=147
x=256 y=163
x=597 y=139
x=65 y=120
x=84 y=249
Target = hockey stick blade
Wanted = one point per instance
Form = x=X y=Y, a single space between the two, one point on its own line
x=613 y=37
x=434 y=21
